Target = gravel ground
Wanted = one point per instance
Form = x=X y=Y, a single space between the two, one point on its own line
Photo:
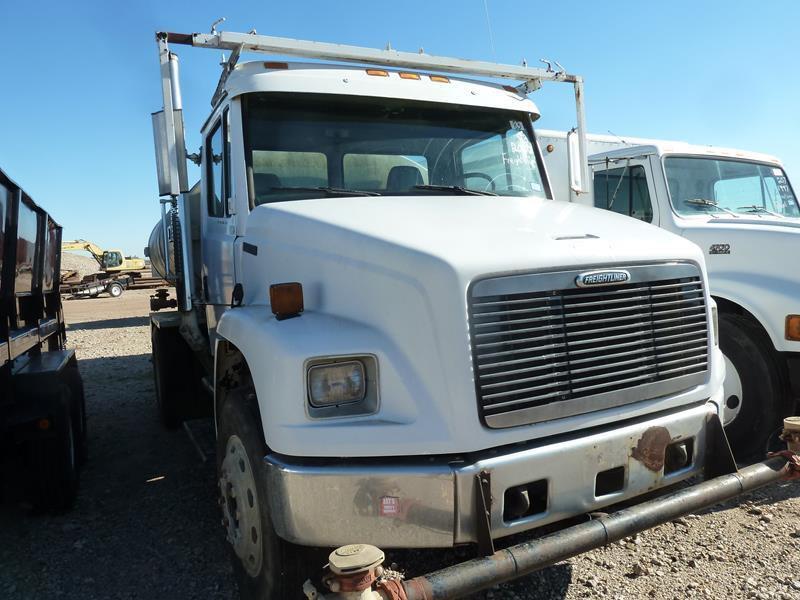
x=146 y=523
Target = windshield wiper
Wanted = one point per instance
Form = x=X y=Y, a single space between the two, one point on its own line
x=712 y=203
x=330 y=191
x=758 y=209
x=456 y=189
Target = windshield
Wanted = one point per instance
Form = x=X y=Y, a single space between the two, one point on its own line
x=710 y=185
x=312 y=145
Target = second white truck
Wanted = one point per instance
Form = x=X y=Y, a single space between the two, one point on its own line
x=740 y=208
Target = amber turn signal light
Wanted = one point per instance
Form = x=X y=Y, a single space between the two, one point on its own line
x=793 y=328
x=286 y=300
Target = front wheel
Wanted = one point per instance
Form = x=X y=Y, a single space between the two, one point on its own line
x=754 y=389
x=266 y=567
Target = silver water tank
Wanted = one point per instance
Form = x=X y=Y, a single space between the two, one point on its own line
x=155 y=251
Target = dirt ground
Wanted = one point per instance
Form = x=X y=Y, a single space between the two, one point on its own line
x=146 y=523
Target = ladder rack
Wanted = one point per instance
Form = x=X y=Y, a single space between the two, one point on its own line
x=251 y=42
x=168 y=123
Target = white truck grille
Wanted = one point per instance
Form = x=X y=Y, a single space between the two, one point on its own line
x=544 y=349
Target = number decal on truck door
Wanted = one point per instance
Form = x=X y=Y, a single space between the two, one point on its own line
x=720 y=249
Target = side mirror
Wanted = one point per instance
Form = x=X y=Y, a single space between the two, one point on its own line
x=161 y=139
x=574 y=162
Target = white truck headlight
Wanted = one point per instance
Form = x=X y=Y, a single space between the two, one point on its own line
x=337 y=383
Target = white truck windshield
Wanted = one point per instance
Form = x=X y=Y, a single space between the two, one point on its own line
x=709 y=185
x=311 y=145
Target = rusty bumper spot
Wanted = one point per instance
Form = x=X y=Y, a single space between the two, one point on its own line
x=651 y=448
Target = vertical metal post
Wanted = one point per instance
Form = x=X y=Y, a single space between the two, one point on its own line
x=173 y=121
x=167 y=69
x=581 y=130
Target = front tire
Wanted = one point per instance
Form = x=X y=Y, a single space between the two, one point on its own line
x=72 y=378
x=755 y=392
x=266 y=567
x=167 y=375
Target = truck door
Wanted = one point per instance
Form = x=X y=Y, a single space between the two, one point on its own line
x=625 y=186
x=218 y=232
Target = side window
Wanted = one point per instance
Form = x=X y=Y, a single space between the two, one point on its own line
x=217 y=165
x=624 y=191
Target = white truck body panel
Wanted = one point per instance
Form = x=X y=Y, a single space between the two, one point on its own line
x=754 y=274
x=391 y=278
x=334 y=79
x=393 y=273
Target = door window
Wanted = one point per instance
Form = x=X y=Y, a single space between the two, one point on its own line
x=217 y=168
x=624 y=191
x=112 y=259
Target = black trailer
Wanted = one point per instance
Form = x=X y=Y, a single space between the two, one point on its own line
x=42 y=405
x=94 y=285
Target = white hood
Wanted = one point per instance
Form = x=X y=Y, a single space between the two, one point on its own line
x=389 y=277
x=474 y=235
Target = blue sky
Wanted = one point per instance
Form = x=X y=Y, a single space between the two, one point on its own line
x=81 y=79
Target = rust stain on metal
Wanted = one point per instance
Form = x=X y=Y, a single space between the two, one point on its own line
x=651 y=448
x=418 y=588
x=392 y=589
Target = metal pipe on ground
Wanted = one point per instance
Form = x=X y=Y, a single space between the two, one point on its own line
x=478 y=574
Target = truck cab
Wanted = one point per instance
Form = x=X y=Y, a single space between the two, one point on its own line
x=741 y=209
x=381 y=298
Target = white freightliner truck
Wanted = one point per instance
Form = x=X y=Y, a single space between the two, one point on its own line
x=402 y=339
x=739 y=207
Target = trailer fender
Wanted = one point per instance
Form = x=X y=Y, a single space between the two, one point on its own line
x=277 y=352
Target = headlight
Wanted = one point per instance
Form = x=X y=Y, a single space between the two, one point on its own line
x=337 y=383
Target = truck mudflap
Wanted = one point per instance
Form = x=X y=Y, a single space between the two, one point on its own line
x=347 y=578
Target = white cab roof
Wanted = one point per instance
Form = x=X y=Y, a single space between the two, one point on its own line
x=629 y=147
x=336 y=79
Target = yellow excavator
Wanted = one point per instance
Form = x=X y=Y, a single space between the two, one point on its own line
x=110 y=261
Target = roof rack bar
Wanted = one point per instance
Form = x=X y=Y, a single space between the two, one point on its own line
x=226 y=40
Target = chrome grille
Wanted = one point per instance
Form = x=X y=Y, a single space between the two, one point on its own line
x=544 y=349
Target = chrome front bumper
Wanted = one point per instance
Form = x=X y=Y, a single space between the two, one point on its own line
x=419 y=502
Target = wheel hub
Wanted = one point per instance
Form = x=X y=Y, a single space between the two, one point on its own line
x=733 y=393
x=241 y=516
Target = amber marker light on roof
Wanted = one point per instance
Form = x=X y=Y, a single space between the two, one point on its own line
x=377 y=72
x=286 y=300
x=409 y=76
x=276 y=65
x=511 y=88
x=439 y=78
x=793 y=328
